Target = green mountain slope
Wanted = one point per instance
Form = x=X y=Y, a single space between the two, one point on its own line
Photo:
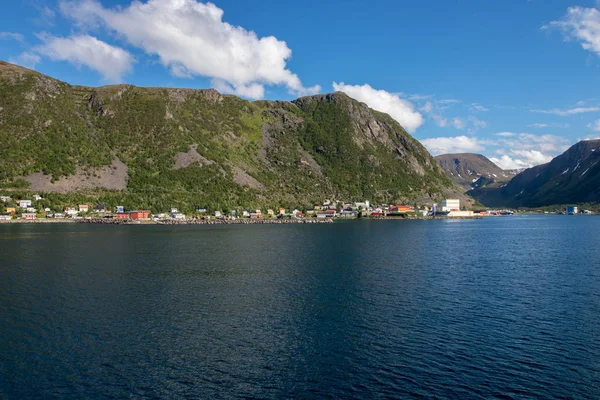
x=158 y=147
x=572 y=177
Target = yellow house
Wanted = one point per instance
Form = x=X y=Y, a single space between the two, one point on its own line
x=11 y=210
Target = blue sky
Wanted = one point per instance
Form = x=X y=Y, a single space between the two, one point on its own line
x=517 y=81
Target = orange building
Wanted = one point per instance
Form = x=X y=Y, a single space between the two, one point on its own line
x=141 y=214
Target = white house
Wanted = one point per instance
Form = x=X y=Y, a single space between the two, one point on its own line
x=5 y=199
x=24 y=203
x=71 y=211
x=37 y=197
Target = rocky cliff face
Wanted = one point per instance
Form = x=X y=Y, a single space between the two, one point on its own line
x=472 y=171
x=200 y=147
x=572 y=177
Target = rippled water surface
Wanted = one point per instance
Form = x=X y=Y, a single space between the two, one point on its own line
x=503 y=307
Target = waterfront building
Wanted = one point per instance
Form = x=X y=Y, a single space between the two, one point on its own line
x=29 y=216
x=84 y=208
x=140 y=214
x=572 y=210
x=11 y=210
x=5 y=217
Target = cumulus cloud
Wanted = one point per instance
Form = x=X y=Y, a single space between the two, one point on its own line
x=401 y=110
x=12 y=36
x=521 y=159
x=568 y=112
x=26 y=59
x=191 y=39
x=457 y=144
x=524 y=150
x=110 y=61
x=582 y=25
x=595 y=126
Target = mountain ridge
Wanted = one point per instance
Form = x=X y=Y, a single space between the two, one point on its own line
x=472 y=170
x=570 y=178
x=164 y=146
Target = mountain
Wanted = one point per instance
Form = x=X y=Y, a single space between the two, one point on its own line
x=160 y=147
x=572 y=177
x=472 y=170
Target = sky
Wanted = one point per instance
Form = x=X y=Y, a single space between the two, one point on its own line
x=517 y=81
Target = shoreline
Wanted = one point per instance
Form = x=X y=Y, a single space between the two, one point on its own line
x=240 y=221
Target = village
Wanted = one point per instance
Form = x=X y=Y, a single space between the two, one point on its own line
x=29 y=210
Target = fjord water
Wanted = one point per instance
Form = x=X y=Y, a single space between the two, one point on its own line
x=502 y=307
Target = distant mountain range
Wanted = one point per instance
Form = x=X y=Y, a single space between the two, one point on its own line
x=472 y=171
x=570 y=178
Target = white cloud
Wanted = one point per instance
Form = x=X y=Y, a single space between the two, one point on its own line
x=401 y=110
x=477 y=123
x=551 y=125
x=191 y=38
x=11 y=35
x=521 y=159
x=457 y=144
x=477 y=107
x=524 y=150
x=595 y=126
x=427 y=107
x=26 y=59
x=567 y=112
x=580 y=24
x=110 y=61
x=458 y=123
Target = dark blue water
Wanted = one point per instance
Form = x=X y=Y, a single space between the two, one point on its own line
x=502 y=307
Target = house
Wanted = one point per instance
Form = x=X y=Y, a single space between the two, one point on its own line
x=362 y=205
x=349 y=213
x=245 y=214
x=217 y=214
x=37 y=197
x=57 y=215
x=141 y=214
x=282 y=211
x=177 y=215
x=270 y=212
x=398 y=209
x=47 y=209
x=29 y=216
x=120 y=209
x=24 y=203
x=5 y=217
x=100 y=208
x=201 y=210
x=122 y=215
x=11 y=210
x=71 y=211
x=31 y=209
x=256 y=215
x=5 y=199
x=327 y=214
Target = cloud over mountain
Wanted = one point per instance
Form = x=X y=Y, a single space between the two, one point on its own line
x=191 y=39
x=400 y=109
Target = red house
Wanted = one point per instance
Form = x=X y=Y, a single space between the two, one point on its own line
x=142 y=214
x=122 y=215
